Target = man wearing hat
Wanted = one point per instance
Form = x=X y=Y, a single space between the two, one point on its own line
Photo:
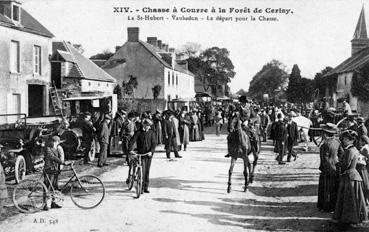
x=146 y=143
x=170 y=134
x=104 y=137
x=54 y=157
x=330 y=151
x=264 y=121
x=88 y=131
x=292 y=136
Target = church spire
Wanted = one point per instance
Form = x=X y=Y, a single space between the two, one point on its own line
x=360 y=39
x=360 y=31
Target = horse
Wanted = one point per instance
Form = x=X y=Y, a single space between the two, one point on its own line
x=240 y=146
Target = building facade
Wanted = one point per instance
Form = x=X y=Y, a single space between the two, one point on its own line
x=348 y=70
x=75 y=76
x=25 y=46
x=155 y=66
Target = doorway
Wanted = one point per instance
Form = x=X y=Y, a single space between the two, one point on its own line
x=35 y=100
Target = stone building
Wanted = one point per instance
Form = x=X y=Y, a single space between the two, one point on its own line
x=155 y=66
x=350 y=69
x=75 y=76
x=25 y=46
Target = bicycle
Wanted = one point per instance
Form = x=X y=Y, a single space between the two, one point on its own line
x=135 y=173
x=31 y=195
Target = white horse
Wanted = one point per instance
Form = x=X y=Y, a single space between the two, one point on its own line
x=303 y=125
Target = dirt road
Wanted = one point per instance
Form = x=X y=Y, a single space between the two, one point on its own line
x=189 y=194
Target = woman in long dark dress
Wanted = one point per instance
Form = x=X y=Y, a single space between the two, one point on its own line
x=350 y=206
x=330 y=150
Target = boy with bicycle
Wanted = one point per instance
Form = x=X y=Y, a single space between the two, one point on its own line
x=54 y=157
x=146 y=143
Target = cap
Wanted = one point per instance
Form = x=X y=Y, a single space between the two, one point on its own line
x=107 y=116
x=87 y=114
x=55 y=138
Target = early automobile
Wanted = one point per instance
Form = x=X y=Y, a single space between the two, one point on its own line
x=21 y=145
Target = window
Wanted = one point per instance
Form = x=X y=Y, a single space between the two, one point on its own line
x=14 y=57
x=345 y=80
x=37 y=60
x=177 y=79
x=16 y=16
x=172 y=78
x=168 y=97
x=107 y=85
x=98 y=84
x=89 y=83
x=168 y=78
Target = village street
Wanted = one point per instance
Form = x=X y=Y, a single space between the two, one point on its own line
x=189 y=194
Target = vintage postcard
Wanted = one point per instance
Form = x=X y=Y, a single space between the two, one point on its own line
x=172 y=115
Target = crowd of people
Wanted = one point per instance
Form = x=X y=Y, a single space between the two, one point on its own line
x=344 y=166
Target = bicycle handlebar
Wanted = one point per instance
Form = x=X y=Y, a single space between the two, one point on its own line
x=136 y=154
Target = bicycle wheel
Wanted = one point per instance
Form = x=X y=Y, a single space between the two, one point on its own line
x=130 y=179
x=87 y=192
x=29 y=195
x=138 y=181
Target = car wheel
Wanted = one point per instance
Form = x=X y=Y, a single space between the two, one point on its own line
x=20 y=169
x=92 y=152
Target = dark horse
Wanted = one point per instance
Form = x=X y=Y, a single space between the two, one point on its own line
x=241 y=146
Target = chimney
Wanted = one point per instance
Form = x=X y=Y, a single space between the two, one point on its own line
x=133 y=34
x=160 y=44
x=153 y=41
x=165 y=47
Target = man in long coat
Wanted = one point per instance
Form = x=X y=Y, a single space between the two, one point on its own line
x=171 y=136
x=104 y=137
x=279 y=133
x=292 y=136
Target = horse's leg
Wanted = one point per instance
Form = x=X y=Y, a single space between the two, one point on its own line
x=254 y=163
x=246 y=168
x=233 y=160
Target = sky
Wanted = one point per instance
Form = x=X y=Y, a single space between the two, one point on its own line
x=317 y=34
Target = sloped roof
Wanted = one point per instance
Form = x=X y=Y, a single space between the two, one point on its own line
x=179 y=68
x=27 y=24
x=356 y=61
x=82 y=66
x=154 y=52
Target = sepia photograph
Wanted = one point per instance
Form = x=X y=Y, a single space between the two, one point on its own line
x=173 y=115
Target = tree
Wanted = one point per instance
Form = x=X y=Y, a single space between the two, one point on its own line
x=322 y=83
x=105 y=55
x=271 y=80
x=191 y=49
x=156 y=91
x=130 y=86
x=294 y=85
x=118 y=91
